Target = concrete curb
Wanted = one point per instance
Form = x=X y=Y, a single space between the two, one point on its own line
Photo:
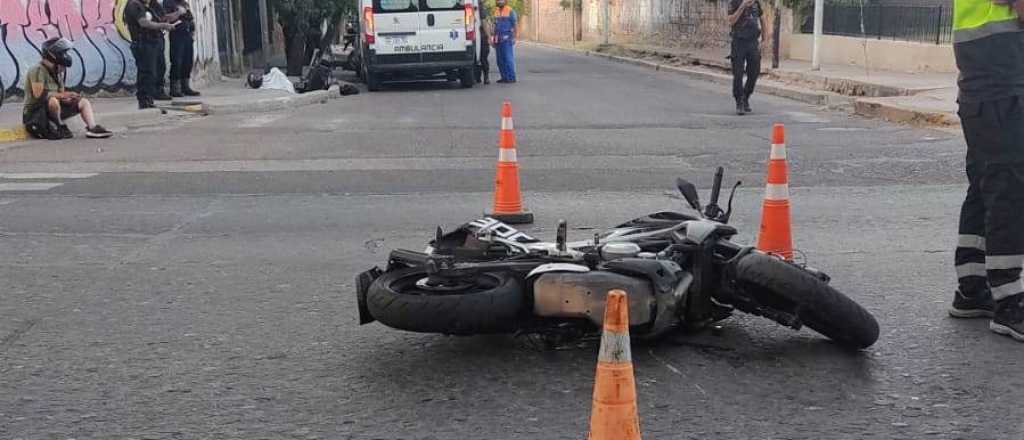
x=270 y=104
x=17 y=133
x=128 y=119
x=775 y=89
x=878 y=108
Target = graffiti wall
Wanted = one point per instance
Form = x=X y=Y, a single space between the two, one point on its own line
x=102 y=47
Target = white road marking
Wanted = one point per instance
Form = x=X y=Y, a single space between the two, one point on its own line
x=40 y=176
x=33 y=186
x=7 y=201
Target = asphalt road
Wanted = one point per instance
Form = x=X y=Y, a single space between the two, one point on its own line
x=194 y=280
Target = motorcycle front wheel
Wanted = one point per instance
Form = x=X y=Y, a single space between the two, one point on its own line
x=407 y=299
x=783 y=286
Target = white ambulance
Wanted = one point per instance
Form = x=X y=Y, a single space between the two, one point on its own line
x=417 y=39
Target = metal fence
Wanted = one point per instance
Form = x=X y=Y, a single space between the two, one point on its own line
x=924 y=24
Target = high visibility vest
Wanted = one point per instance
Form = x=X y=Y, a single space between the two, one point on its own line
x=974 y=19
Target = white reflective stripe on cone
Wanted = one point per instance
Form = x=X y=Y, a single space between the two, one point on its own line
x=777 y=191
x=1007 y=290
x=1002 y=262
x=971 y=241
x=506 y=123
x=778 y=151
x=614 y=348
x=970 y=270
x=506 y=155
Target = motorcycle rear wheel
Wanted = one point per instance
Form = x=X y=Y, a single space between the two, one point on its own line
x=482 y=303
x=787 y=287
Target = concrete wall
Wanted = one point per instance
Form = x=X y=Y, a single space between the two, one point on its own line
x=102 y=48
x=548 y=22
x=901 y=56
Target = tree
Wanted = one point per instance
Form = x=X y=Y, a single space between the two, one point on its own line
x=301 y=21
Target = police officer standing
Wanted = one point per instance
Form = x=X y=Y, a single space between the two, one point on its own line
x=747 y=21
x=182 y=51
x=165 y=15
x=146 y=31
x=486 y=29
x=988 y=42
x=505 y=30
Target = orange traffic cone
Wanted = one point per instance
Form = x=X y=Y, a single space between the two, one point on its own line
x=508 y=202
x=776 y=237
x=614 y=415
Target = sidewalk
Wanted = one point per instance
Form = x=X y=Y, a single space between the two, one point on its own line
x=918 y=98
x=222 y=97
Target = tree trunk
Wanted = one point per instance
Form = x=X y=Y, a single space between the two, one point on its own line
x=295 y=50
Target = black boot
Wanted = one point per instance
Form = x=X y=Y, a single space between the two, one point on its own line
x=161 y=94
x=186 y=90
x=176 y=90
x=746 y=104
x=487 y=77
x=740 y=110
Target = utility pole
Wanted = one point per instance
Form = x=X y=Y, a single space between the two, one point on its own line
x=819 y=18
x=607 y=20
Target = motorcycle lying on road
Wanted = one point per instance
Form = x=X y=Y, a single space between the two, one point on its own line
x=679 y=271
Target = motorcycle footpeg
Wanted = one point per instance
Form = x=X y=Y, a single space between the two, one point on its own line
x=363 y=282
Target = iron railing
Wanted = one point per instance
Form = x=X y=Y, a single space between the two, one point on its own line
x=923 y=24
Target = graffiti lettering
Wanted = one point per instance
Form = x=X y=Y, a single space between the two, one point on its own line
x=102 y=50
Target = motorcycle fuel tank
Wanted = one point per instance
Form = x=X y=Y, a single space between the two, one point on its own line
x=582 y=295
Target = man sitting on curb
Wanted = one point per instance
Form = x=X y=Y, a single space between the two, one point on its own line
x=47 y=104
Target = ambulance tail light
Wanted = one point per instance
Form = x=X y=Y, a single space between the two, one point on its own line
x=470 y=23
x=368 y=25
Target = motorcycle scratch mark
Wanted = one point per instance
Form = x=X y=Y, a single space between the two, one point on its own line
x=675 y=370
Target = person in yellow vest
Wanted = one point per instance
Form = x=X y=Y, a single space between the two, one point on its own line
x=988 y=42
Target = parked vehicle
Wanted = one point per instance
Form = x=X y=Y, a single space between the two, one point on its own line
x=679 y=269
x=416 y=40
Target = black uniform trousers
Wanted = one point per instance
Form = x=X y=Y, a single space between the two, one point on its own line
x=182 y=55
x=147 y=53
x=746 y=59
x=990 y=249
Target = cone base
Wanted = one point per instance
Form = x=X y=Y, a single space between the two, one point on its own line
x=520 y=218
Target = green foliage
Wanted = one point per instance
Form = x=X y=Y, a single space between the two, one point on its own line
x=566 y=4
x=300 y=15
x=520 y=6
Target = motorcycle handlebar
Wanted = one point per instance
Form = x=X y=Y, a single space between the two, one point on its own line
x=716 y=188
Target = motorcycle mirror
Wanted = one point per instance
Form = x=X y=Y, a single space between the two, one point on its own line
x=561 y=236
x=689 y=192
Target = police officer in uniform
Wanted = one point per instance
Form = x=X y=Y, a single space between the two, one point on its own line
x=182 y=52
x=988 y=42
x=747 y=21
x=147 y=45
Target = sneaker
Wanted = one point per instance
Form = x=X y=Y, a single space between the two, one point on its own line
x=162 y=96
x=502 y=81
x=64 y=132
x=1009 y=317
x=979 y=305
x=146 y=104
x=98 y=132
